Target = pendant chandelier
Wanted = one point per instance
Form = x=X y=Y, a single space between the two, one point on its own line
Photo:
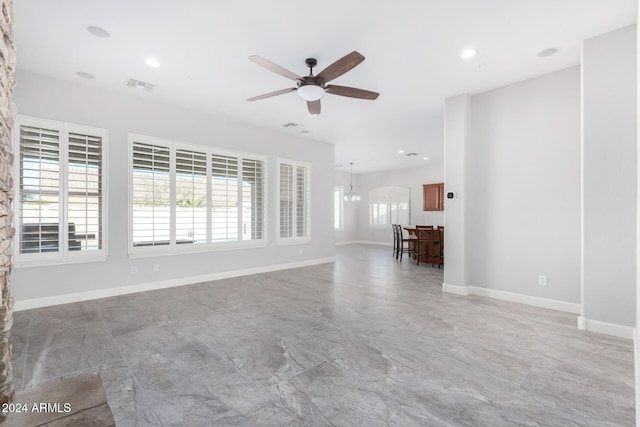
x=351 y=195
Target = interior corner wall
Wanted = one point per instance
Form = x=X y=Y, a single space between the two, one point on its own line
x=522 y=188
x=412 y=178
x=349 y=231
x=120 y=113
x=609 y=170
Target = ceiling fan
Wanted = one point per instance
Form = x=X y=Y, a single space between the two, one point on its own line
x=311 y=88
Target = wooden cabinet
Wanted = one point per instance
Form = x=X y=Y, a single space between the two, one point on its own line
x=433 y=197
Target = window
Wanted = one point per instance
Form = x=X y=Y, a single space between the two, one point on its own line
x=186 y=197
x=294 y=201
x=338 y=207
x=388 y=213
x=151 y=196
x=61 y=211
x=389 y=205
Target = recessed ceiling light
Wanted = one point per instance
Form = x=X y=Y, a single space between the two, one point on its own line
x=85 y=75
x=304 y=131
x=425 y=158
x=468 y=53
x=547 y=52
x=98 y=32
x=152 y=62
x=400 y=151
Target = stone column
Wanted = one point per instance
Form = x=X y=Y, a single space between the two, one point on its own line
x=7 y=117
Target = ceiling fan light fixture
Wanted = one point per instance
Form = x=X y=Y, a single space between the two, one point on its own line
x=310 y=92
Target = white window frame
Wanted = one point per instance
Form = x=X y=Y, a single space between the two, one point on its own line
x=294 y=240
x=63 y=256
x=338 y=192
x=209 y=246
x=391 y=199
x=389 y=215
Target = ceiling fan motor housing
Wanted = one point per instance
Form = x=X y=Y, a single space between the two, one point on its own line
x=310 y=80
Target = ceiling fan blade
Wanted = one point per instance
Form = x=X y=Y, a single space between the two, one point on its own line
x=341 y=66
x=270 y=94
x=351 y=92
x=274 y=67
x=314 y=107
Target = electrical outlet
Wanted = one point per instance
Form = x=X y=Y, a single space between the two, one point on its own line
x=134 y=270
x=156 y=267
x=542 y=280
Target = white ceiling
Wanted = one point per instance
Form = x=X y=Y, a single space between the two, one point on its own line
x=412 y=49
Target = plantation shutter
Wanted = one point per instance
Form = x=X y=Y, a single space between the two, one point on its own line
x=224 y=198
x=286 y=200
x=151 y=190
x=84 y=192
x=399 y=213
x=40 y=190
x=191 y=197
x=301 y=201
x=252 y=199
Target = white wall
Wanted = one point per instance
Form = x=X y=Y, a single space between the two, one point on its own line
x=522 y=186
x=609 y=177
x=456 y=135
x=636 y=340
x=413 y=178
x=59 y=100
x=349 y=233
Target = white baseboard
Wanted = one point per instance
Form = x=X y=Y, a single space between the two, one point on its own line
x=584 y=324
x=552 y=304
x=372 y=242
x=364 y=242
x=512 y=297
x=600 y=327
x=28 y=304
x=455 y=289
x=350 y=242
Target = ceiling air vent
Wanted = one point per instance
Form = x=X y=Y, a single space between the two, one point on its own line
x=411 y=154
x=139 y=84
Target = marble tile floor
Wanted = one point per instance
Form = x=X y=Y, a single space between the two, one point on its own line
x=367 y=341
